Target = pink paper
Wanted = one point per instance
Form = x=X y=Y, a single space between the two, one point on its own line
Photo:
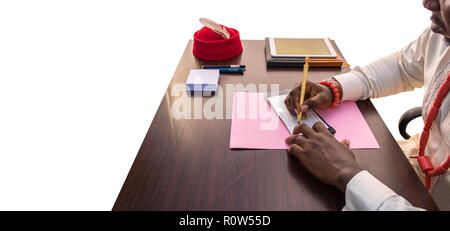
x=249 y=132
x=256 y=126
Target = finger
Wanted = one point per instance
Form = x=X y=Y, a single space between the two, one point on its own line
x=320 y=127
x=298 y=152
x=304 y=129
x=295 y=99
x=291 y=103
x=304 y=116
x=288 y=104
x=296 y=139
x=296 y=130
x=297 y=104
x=310 y=103
x=295 y=150
x=346 y=143
x=308 y=90
x=304 y=107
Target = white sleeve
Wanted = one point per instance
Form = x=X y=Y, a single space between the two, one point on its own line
x=364 y=192
x=398 y=72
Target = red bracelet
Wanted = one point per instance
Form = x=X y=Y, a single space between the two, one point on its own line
x=334 y=90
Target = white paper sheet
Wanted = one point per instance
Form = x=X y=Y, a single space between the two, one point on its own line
x=289 y=120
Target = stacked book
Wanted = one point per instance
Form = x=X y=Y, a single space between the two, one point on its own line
x=290 y=59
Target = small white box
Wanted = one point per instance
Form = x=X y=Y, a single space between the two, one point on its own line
x=202 y=80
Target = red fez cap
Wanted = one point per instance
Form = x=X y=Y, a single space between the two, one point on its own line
x=209 y=45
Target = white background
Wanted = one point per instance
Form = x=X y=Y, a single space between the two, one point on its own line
x=80 y=81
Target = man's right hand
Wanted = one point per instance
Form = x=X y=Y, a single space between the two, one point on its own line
x=316 y=95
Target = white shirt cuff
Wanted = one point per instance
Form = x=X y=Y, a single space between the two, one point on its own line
x=352 y=87
x=364 y=192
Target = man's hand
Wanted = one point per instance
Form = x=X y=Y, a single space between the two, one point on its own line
x=316 y=95
x=326 y=158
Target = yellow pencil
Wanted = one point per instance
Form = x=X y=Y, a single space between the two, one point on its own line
x=303 y=87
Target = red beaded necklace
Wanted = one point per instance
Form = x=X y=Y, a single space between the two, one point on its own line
x=424 y=161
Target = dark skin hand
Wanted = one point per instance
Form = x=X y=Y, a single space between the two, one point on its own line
x=316 y=95
x=317 y=149
x=329 y=160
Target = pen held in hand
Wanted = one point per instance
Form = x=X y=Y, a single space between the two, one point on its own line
x=303 y=87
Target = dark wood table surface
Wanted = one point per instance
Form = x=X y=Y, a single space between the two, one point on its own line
x=186 y=164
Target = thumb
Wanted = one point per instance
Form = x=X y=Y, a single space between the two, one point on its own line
x=346 y=143
x=309 y=104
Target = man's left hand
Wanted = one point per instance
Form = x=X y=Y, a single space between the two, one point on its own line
x=326 y=158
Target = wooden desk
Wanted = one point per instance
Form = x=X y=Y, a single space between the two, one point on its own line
x=187 y=164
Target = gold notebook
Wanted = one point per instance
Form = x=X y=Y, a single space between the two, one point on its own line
x=337 y=61
x=302 y=47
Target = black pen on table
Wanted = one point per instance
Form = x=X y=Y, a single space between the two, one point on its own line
x=230 y=70
x=222 y=66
